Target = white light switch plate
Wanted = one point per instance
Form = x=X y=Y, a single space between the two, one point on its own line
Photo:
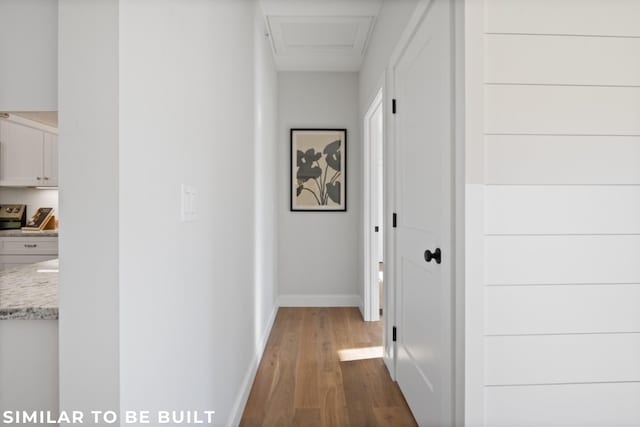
x=189 y=199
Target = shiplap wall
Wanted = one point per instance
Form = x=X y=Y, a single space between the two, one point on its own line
x=562 y=213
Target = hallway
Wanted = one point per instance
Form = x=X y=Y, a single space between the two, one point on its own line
x=323 y=367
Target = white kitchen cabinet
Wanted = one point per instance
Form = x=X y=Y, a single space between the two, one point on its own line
x=28 y=156
x=50 y=160
x=20 y=154
x=27 y=250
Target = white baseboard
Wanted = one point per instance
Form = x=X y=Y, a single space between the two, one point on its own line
x=247 y=382
x=319 y=301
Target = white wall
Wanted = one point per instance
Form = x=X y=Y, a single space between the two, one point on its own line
x=89 y=347
x=188 y=292
x=28 y=55
x=561 y=145
x=151 y=307
x=266 y=180
x=390 y=22
x=318 y=253
x=33 y=198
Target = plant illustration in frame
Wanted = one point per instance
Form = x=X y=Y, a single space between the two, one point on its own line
x=318 y=169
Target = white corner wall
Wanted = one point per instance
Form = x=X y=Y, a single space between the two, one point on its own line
x=557 y=86
x=89 y=346
x=391 y=23
x=156 y=313
x=188 y=290
x=29 y=55
x=318 y=253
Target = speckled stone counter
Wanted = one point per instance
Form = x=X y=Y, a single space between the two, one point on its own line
x=29 y=291
x=20 y=233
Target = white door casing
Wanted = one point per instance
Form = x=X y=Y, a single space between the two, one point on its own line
x=422 y=84
x=373 y=215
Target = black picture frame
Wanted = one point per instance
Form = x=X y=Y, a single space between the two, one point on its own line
x=320 y=150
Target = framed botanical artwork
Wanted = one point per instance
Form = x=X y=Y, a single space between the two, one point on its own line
x=319 y=170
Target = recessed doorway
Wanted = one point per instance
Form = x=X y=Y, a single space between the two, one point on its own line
x=374 y=210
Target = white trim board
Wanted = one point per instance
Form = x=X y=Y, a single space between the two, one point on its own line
x=319 y=301
x=473 y=252
x=243 y=394
x=321 y=8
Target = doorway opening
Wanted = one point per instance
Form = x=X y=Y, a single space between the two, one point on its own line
x=374 y=209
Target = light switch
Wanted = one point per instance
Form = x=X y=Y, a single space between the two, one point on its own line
x=189 y=205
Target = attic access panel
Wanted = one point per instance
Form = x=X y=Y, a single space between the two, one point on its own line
x=319 y=42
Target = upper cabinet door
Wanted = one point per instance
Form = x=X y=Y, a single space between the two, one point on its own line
x=50 y=167
x=21 y=155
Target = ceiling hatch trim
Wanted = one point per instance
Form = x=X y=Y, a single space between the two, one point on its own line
x=319 y=34
x=315 y=38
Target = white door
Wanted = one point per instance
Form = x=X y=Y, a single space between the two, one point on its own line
x=50 y=166
x=422 y=127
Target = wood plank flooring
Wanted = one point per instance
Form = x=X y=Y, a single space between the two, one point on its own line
x=301 y=380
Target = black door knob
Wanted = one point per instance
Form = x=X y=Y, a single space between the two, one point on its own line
x=435 y=255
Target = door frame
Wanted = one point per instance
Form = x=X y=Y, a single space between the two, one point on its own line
x=371 y=298
x=458 y=198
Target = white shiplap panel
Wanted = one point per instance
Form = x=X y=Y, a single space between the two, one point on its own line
x=549 y=309
x=524 y=260
x=560 y=107
x=539 y=159
x=584 y=17
x=561 y=359
x=577 y=110
x=573 y=209
x=562 y=60
x=569 y=405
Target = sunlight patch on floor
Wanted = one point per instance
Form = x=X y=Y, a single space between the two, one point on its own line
x=350 y=354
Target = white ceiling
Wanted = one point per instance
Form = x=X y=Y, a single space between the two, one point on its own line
x=319 y=35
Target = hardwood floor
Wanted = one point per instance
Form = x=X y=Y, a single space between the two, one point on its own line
x=302 y=381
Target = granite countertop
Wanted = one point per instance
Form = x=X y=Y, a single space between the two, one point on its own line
x=29 y=291
x=20 y=233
